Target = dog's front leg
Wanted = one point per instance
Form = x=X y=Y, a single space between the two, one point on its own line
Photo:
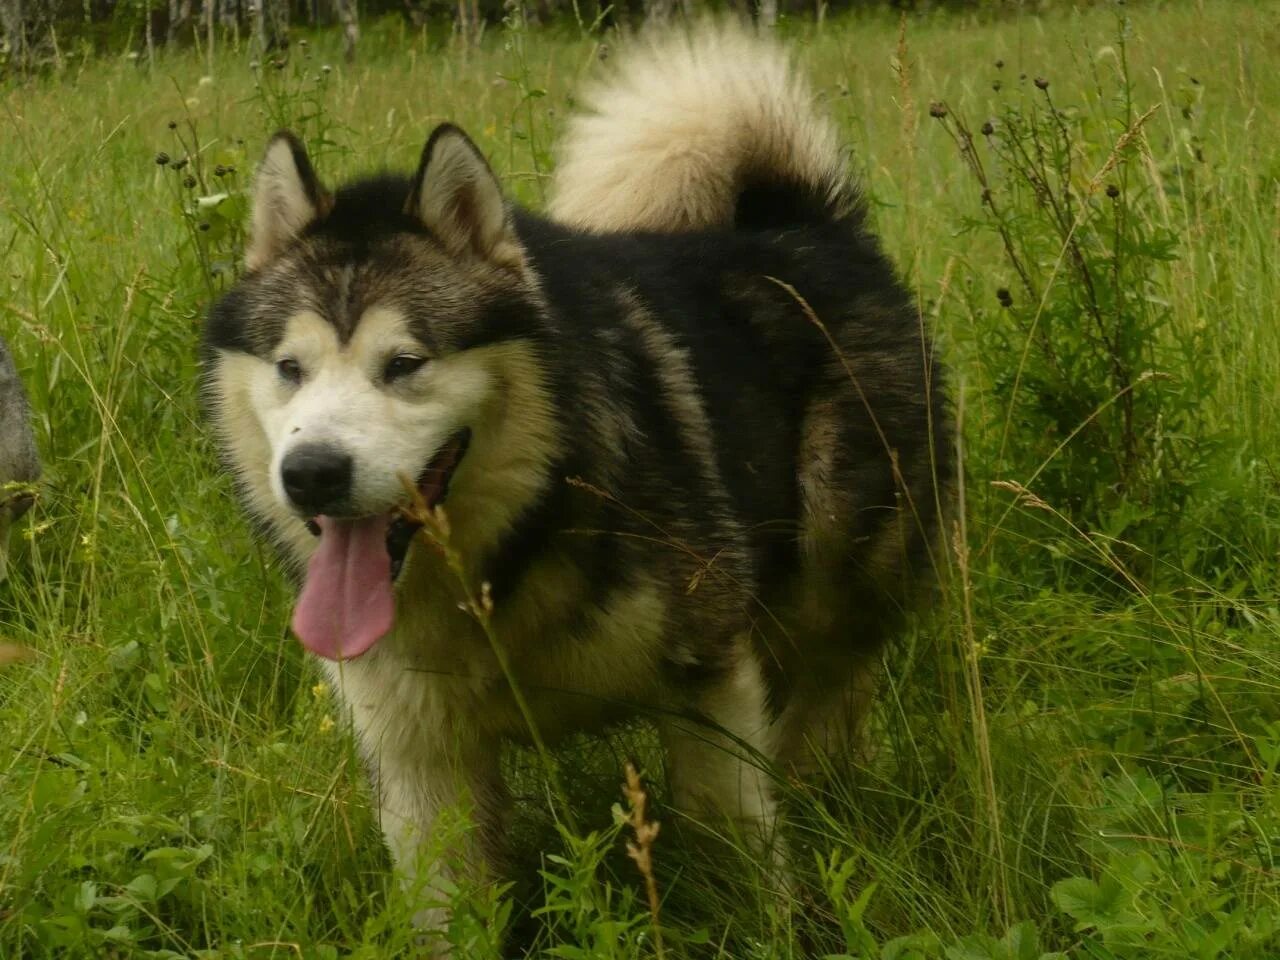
x=718 y=754
x=431 y=860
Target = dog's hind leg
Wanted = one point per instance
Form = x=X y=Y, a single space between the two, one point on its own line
x=822 y=727
x=718 y=754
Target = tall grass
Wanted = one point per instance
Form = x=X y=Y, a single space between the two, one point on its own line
x=1076 y=751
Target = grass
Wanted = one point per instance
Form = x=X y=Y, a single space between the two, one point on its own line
x=1077 y=751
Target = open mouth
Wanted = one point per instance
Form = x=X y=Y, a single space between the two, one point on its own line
x=433 y=485
x=347 y=602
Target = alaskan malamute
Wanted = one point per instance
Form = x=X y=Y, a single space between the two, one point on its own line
x=687 y=428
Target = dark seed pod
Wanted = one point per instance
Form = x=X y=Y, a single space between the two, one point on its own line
x=219 y=171
x=162 y=159
x=204 y=226
x=189 y=182
x=1005 y=297
x=1042 y=83
x=173 y=124
x=1113 y=191
x=999 y=64
x=937 y=109
x=988 y=129
x=996 y=85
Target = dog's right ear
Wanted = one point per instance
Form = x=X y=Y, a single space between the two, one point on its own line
x=287 y=197
x=456 y=196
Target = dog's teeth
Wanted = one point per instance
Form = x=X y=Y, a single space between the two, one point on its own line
x=313 y=528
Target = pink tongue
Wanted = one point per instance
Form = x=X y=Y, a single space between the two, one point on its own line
x=347 y=603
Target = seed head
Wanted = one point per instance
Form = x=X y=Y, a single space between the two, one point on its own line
x=219 y=171
x=1005 y=297
x=988 y=129
x=999 y=64
x=179 y=164
x=162 y=159
x=1113 y=191
x=204 y=226
x=937 y=109
x=996 y=85
x=189 y=182
x=1042 y=83
x=173 y=124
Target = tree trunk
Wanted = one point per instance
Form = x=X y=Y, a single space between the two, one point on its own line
x=469 y=21
x=13 y=34
x=208 y=32
x=151 y=40
x=229 y=17
x=348 y=16
x=272 y=27
x=179 y=21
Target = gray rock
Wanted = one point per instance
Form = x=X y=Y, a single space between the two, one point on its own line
x=19 y=460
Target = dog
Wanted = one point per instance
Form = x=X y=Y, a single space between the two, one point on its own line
x=687 y=430
x=19 y=460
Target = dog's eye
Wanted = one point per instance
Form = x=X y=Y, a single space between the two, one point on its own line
x=402 y=366
x=289 y=369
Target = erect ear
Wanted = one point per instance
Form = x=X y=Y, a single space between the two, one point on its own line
x=287 y=197
x=456 y=196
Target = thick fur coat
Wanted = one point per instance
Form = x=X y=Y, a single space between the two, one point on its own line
x=687 y=428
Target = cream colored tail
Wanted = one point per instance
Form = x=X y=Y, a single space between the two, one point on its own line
x=689 y=122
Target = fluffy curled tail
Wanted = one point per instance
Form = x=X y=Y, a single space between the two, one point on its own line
x=706 y=127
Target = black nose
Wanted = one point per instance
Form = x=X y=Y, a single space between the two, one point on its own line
x=317 y=479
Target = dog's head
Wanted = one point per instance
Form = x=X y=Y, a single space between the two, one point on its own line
x=385 y=332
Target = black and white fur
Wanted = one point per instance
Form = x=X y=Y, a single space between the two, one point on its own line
x=705 y=423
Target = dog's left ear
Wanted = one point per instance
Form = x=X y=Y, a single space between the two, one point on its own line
x=287 y=198
x=456 y=196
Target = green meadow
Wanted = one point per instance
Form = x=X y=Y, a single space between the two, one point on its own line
x=1074 y=752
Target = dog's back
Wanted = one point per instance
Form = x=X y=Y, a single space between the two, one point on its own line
x=713 y=134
